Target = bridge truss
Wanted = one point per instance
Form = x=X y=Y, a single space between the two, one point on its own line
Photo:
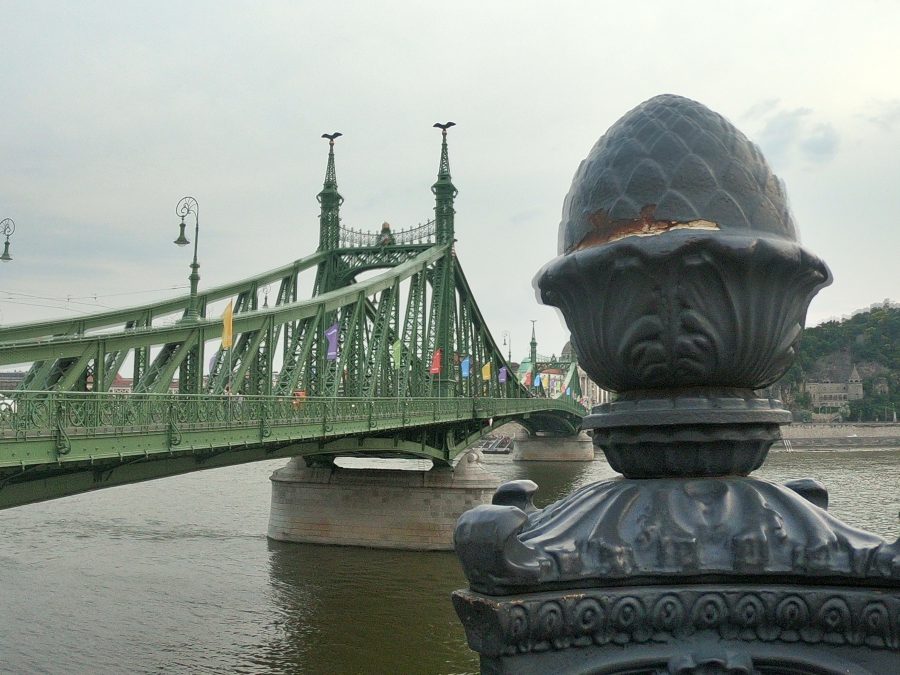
x=388 y=355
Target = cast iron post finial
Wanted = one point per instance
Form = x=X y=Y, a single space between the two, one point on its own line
x=185 y=207
x=685 y=290
x=7 y=228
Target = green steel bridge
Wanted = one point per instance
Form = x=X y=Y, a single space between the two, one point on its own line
x=388 y=356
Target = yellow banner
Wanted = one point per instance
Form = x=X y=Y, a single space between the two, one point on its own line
x=227 y=326
x=486 y=371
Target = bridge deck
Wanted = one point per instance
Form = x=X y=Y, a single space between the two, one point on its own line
x=49 y=434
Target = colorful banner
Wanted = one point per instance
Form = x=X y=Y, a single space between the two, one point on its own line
x=486 y=371
x=465 y=366
x=228 y=326
x=537 y=380
x=502 y=375
x=436 y=362
x=397 y=353
x=527 y=380
x=331 y=334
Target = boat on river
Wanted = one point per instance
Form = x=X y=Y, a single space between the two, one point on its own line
x=501 y=445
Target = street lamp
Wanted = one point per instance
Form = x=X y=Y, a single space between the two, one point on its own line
x=185 y=206
x=7 y=227
x=507 y=342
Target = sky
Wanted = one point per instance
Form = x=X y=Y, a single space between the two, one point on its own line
x=110 y=112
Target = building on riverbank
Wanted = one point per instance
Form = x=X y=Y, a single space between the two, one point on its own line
x=10 y=380
x=831 y=396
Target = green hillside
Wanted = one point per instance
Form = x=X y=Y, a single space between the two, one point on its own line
x=870 y=341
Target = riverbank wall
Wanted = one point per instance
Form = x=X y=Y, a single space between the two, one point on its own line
x=840 y=435
x=799 y=435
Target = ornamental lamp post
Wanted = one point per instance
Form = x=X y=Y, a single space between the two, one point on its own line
x=7 y=227
x=507 y=342
x=186 y=206
x=685 y=290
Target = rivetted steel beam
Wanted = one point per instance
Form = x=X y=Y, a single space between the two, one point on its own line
x=114 y=472
x=74 y=346
x=120 y=316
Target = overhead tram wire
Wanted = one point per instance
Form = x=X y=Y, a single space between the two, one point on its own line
x=94 y=296
x=12 y=297
x=34 y=304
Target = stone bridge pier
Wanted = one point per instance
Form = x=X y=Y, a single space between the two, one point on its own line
x=542 y=447
x=554 y=449
x=380 y=508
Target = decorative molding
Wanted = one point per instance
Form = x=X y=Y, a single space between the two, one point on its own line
x=669 y=528
x=685 y=308
x=507 y=626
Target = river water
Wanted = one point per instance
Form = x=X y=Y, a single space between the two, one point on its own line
x=177 y=576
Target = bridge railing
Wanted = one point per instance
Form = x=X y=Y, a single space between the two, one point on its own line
x=33 y=415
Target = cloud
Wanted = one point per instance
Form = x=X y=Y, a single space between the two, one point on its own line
x=760 y=109
x=820 y=145
x=526 y=216
x=780 y=133
x=884 y=114
x=789 y=134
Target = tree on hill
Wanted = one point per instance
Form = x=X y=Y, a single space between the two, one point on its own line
x=868 y=340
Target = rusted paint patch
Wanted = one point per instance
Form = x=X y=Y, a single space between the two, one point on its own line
x=606 y=231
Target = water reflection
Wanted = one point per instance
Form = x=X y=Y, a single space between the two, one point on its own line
x=359 y=610
x=355 y=610
x=863 y=485
x=554 y=479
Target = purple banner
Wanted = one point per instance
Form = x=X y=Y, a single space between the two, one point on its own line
x=331 y=334
x=501 y=376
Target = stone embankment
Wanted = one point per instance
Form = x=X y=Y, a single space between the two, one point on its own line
x=799 y=436
x=840 y=435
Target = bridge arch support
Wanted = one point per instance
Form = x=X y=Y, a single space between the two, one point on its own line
x=379 y=508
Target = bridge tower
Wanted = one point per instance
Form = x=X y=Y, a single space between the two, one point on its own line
x=313 y=500
x=330 y=201
x=533 y=347
x=533 y=355
x=443 y=308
